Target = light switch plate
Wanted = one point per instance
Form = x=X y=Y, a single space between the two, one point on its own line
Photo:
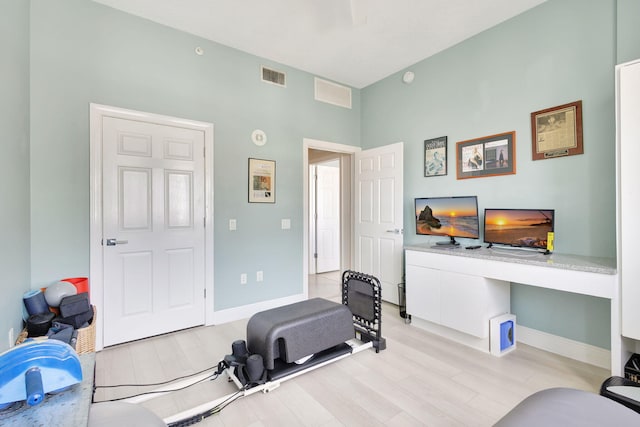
x=286 y=224
x=232 y=224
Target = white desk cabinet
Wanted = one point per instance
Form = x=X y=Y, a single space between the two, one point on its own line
x=458 y=301
x=455 y=292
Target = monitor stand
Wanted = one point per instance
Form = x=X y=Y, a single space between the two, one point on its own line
x=451 y=242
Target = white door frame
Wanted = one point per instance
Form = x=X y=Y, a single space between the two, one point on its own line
x=308 y=143
x=97 y=112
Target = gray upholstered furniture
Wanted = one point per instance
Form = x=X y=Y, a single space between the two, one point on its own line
x=294 y=331
x=565 y=407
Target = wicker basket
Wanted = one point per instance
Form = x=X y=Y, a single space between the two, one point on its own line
x=86 y=341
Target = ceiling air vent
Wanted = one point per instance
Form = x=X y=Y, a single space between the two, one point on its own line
x=332 y=93
x=274 y=77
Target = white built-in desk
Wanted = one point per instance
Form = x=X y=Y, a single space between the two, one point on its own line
x=478 y=281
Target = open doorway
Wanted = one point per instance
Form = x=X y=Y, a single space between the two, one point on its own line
x=371 y=201
x=328 y=209
x=324 y=213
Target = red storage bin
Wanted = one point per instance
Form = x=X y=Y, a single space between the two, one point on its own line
x=81 y=284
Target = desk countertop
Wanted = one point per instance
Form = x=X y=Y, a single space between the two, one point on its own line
x=527 y=257
x=67 y=408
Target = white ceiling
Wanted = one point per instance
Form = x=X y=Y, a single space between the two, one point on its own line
x=354 y=42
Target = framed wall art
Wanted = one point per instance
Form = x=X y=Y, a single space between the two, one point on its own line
x=435 y=156
x=486 y=156
x=557 y=131
x=262 y=181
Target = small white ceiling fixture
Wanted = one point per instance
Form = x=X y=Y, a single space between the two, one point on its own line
x=353 y=42
x=408 y=77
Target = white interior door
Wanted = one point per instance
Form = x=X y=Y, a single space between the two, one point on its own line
x=153 y=229
x=378 y=216
x=328 y=216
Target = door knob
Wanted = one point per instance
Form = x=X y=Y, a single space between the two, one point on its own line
x=113 y=242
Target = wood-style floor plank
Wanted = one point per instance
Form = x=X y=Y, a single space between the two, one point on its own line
x=421 y=379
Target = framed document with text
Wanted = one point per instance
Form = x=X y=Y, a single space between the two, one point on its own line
x=262 y=181
x=557 y=131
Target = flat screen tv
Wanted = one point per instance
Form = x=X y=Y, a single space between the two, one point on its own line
x=448 y=216
x=523 y=228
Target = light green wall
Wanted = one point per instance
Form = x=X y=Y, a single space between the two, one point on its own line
x=14 y=164
x=628 y=35
x=84 y=52
x=556 y=53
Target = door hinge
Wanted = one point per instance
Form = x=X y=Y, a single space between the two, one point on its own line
x=205 y=293
x=204 y=221
x=315 y=255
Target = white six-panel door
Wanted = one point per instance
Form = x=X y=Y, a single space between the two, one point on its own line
x=378 y=216
x=153 y=228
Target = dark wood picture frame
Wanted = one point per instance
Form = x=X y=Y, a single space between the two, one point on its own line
x=487 y=156
x=435 y=156
x=557 y=131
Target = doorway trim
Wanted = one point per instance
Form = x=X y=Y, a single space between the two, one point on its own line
x=308 y=143
x=96 y=114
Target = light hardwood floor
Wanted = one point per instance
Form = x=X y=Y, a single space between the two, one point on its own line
x=420 y=379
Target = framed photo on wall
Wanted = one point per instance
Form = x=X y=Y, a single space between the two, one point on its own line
x=262 y=181
x=435 y=156
x=557 y=131
x=486 y=156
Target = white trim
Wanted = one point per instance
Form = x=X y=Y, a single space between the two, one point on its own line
x=96 y=114
x=246 y=311
x=565 y=347
x=477 y=343
x=552 y=343
x=316 y=144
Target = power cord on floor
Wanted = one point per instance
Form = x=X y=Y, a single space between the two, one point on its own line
x=154 y=384
x=212 y=377
x=219 y=369
x=194 y=419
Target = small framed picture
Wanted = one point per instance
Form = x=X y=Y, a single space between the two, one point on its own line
x=262 y=181
x=486 y=156
x=557 y=131
x=435 y=156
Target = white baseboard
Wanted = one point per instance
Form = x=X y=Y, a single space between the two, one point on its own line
x=246 y=311
x=565 y=347
x=553 y=343
x=481 y=344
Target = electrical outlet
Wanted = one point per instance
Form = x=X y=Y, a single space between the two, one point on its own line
x=243 y=279
x=259 y=276
x=12 y=339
